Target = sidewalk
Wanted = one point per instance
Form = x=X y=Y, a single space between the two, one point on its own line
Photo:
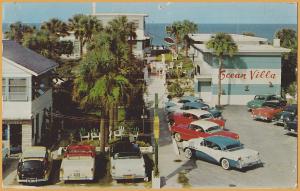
x=170 y=164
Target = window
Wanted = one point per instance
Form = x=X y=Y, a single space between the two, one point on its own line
x=3 y=89
x=17 y=89
x=196 y=128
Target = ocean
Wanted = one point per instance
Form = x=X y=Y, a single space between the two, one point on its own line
x=157 y=31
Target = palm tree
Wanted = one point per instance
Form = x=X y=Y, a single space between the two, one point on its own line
x=222 y=45
x=187 y=28
x=55 y=28
x=17 y=31
x=175 y=31
x=288 y=39
x=84 y=27
x=96 y=90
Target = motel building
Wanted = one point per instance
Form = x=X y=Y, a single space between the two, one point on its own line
x=254 y=70
x=141 y=41
x=26 y=95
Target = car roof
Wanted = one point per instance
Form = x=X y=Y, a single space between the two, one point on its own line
x=194 y=104
x=125 y=146
x=196 y=112
x=190 y=98
x=204 y=124
x=222 y=141
x=34 y=152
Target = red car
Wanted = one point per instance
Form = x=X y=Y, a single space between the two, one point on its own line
x=191 y=115
x=199 y=128
x=268 y=111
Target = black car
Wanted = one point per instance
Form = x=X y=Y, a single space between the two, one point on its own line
x=292 y=126
x=35 y=165
x=288 y=114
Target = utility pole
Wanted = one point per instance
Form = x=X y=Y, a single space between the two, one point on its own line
x=156 y=135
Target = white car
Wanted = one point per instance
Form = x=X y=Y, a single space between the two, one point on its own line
x=227 y=152
x=78 y=163
x=127 y=162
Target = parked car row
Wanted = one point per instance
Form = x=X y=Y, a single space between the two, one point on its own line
x=274 y=109
x=79 y=163
x=202 y=130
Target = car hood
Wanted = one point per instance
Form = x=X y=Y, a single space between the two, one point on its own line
x=226 y=134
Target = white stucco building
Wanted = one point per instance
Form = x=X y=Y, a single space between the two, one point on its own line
x=26 y=93
x=142 y=41
x=254 y=69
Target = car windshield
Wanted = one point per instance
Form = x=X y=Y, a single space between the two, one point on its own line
x=259 y=97
x=124 y=155
x=205 y=116
x=32 y=164
x=233 y=147
x=213 y=129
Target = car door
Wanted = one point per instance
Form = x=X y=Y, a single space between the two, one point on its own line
x=206 y=152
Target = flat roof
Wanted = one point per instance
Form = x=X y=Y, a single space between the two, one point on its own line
x=263 y=48
x=236 y=37
x=121 y=14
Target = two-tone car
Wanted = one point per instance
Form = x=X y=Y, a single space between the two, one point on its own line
x=268 y=111
x=288 y=114
x=199 y=128
x=227 y=152
x=191 y=115
x=35 y=165
x=259 y=100
x=78 y=163
x=127 y=162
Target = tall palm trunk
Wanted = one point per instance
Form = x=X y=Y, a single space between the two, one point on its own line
x=102 y=133
x=111 y=119
x=219 y=80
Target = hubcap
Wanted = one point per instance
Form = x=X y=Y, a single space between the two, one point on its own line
x=225 y=164
x=177 y=137
x=188 y=153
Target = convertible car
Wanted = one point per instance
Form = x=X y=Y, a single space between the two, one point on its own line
x=227 y=152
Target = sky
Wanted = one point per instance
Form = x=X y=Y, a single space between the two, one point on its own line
x=165 y=12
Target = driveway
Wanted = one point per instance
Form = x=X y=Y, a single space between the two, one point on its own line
x=278 y=151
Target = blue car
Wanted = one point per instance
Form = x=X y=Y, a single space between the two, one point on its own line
x=195 y=105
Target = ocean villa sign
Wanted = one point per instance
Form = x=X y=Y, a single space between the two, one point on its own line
x=249 y=75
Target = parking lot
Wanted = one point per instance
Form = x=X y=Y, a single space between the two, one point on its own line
x=278 y=152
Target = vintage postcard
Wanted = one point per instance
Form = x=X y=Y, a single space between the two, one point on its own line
x=142 y=95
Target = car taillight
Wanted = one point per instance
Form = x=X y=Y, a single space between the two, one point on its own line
x=237 y=137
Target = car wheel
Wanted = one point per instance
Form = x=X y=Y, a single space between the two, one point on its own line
x=188 y=153
x=225 y=164
x=177 y=137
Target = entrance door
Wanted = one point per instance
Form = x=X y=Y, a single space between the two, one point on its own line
x=15 y=138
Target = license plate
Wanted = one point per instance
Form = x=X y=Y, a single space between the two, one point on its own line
x=31 y=180
x=128 y=176
x=76 y=174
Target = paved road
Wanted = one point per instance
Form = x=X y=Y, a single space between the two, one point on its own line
x=278 y=152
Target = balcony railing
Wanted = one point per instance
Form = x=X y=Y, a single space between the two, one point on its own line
x=15 y=96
